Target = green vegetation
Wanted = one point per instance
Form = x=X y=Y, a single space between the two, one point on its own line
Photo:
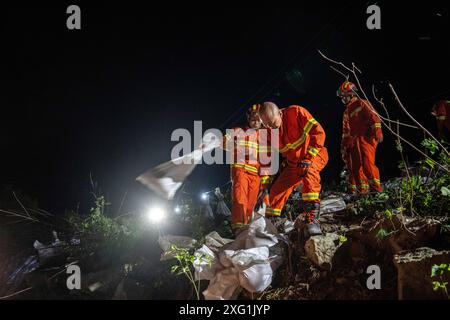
x=437 y=271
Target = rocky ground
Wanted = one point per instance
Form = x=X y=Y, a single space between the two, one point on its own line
x=335 y=265
x=332 y=266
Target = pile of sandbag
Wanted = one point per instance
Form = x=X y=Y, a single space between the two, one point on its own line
x=247 y=262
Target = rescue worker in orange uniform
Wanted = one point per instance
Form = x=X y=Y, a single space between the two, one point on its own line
x=364 y=135
x=441 y=110
x=301 y=143
x=347 y=158
x=248 y=175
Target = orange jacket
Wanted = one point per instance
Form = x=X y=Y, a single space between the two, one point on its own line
x=346 y=141
x=362 y=121
x=301 y=136
x=248 y=151
x=442 y=111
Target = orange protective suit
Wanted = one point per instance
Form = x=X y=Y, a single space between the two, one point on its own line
x=358 y=182
x=364 y=128
x=301 y=137
x=248 y=175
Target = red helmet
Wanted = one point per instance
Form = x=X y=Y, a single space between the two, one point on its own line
x=253 y=109
x=347 y=88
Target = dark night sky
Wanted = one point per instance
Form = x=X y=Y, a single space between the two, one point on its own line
x=106 y=99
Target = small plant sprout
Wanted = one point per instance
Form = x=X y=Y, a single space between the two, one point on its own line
x=437 y=271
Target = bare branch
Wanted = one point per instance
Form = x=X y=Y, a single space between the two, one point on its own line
x=382 y=119
x=21 y=204
x=346 y=76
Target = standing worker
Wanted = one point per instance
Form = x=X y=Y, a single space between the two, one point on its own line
x=248 y=175
x=301 y=143
x=346 y=143
x=364 y=135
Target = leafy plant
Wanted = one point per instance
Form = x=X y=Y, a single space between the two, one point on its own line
x=342 y=239
x=382 y=233
x=438 y=271
x=102 y=234
x=185 y=260
x=430 y=145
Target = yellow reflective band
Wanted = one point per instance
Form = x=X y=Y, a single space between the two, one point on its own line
x=313 y=151
x=310 y=196
x=364 y=186
x=376 y=125
x=246 y=167
x=441 y=118
x=302 y=139
x=228 y=136
x=273 y=212
x=265 y=179
x=375 y=181
x=355 y=112
x=238 y=225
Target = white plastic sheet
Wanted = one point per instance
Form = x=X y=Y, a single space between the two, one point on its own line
x=167 y=178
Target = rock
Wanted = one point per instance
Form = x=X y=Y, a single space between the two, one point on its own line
x=321 y=249
x=401 y=233
x=414 y=279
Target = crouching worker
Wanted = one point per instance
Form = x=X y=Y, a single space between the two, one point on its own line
x=248 y=173
x=301 y=143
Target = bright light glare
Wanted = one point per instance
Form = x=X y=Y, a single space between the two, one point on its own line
x=156 y=214
x=177 y=209
x=204 y=196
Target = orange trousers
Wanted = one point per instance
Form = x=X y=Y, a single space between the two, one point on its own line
x=245 y=187
x=290 y=178
x=363 y=164
x=355 y=181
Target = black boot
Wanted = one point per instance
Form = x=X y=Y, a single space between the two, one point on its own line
x=311 y=219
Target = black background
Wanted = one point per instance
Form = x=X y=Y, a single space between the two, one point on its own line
x=105 y=99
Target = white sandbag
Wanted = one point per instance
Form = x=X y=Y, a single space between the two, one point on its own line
x=261 y=233
x=165 y=243
x=214 y=241
x=222 y=210
x=256 y=278
x=243 y=259
x=224 y=286
x=165 y=179
x=332 y=204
